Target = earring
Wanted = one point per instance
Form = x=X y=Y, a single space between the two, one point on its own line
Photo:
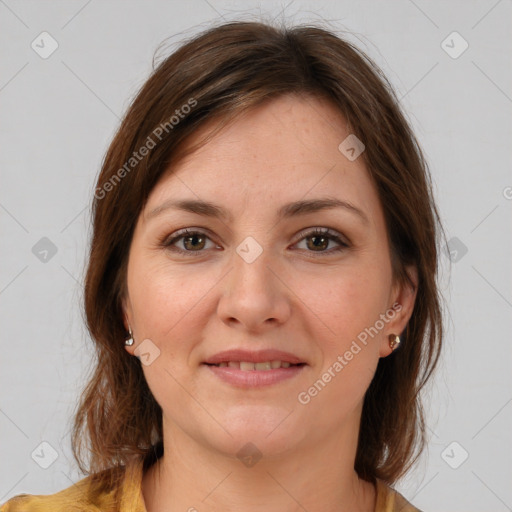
x=129 y=341
x=394 y=341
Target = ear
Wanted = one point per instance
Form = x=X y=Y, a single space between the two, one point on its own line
x=127 y=320
x=402 y=300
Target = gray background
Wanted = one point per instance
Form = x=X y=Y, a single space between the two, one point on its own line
x=59 y=114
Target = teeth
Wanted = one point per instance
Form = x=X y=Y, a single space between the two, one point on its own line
x=248 y=366
x=263 y=366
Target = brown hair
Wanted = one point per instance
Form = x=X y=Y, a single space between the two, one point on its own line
x=218 y=74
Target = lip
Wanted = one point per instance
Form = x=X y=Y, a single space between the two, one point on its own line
x=254 y=378
x=252 y=356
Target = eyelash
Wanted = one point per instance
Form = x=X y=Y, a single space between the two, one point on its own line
x=168 y=242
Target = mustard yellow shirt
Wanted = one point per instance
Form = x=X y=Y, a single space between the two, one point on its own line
x=76 y=498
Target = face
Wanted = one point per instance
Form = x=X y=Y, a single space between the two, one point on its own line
x=260 y=278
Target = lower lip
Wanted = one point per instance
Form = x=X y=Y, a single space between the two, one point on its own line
x=254 y=378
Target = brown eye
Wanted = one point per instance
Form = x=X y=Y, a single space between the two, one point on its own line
x=193 y=241
x=318 y=241
x=190 y=241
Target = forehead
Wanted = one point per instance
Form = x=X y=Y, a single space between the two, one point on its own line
x=281 y=151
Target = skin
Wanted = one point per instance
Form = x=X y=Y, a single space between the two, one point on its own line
x=312 y=303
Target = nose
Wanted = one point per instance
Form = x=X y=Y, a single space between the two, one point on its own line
x=254 y=295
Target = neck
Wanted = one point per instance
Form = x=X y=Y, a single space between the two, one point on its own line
x=318 y=476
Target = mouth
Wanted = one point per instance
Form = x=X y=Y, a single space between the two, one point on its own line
x=254 y=369
x=248 y=366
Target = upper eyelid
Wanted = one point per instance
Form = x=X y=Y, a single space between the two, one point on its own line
x=322 y=230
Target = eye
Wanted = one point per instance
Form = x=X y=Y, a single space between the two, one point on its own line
x=318 y=240
x=192 y=241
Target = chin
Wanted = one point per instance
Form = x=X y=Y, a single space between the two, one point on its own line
x=269 y=429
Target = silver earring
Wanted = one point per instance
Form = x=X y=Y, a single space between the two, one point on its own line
x=394 y=341
x=129 y=341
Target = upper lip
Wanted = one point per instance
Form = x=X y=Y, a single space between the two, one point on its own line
x=259 y=356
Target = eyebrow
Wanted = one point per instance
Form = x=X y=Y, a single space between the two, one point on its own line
x=289 y=210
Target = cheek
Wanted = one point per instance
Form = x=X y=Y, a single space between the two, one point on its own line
x=162 y=296
x=169 y=308
x=354 y=302
x=350 y=355
x=349 y=347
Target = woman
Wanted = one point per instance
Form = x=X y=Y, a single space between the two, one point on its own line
x=261 y=286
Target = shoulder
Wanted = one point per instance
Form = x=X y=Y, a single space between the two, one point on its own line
x=389 y=500
x=82 y=496
x=68 y=499
x=76 y=498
